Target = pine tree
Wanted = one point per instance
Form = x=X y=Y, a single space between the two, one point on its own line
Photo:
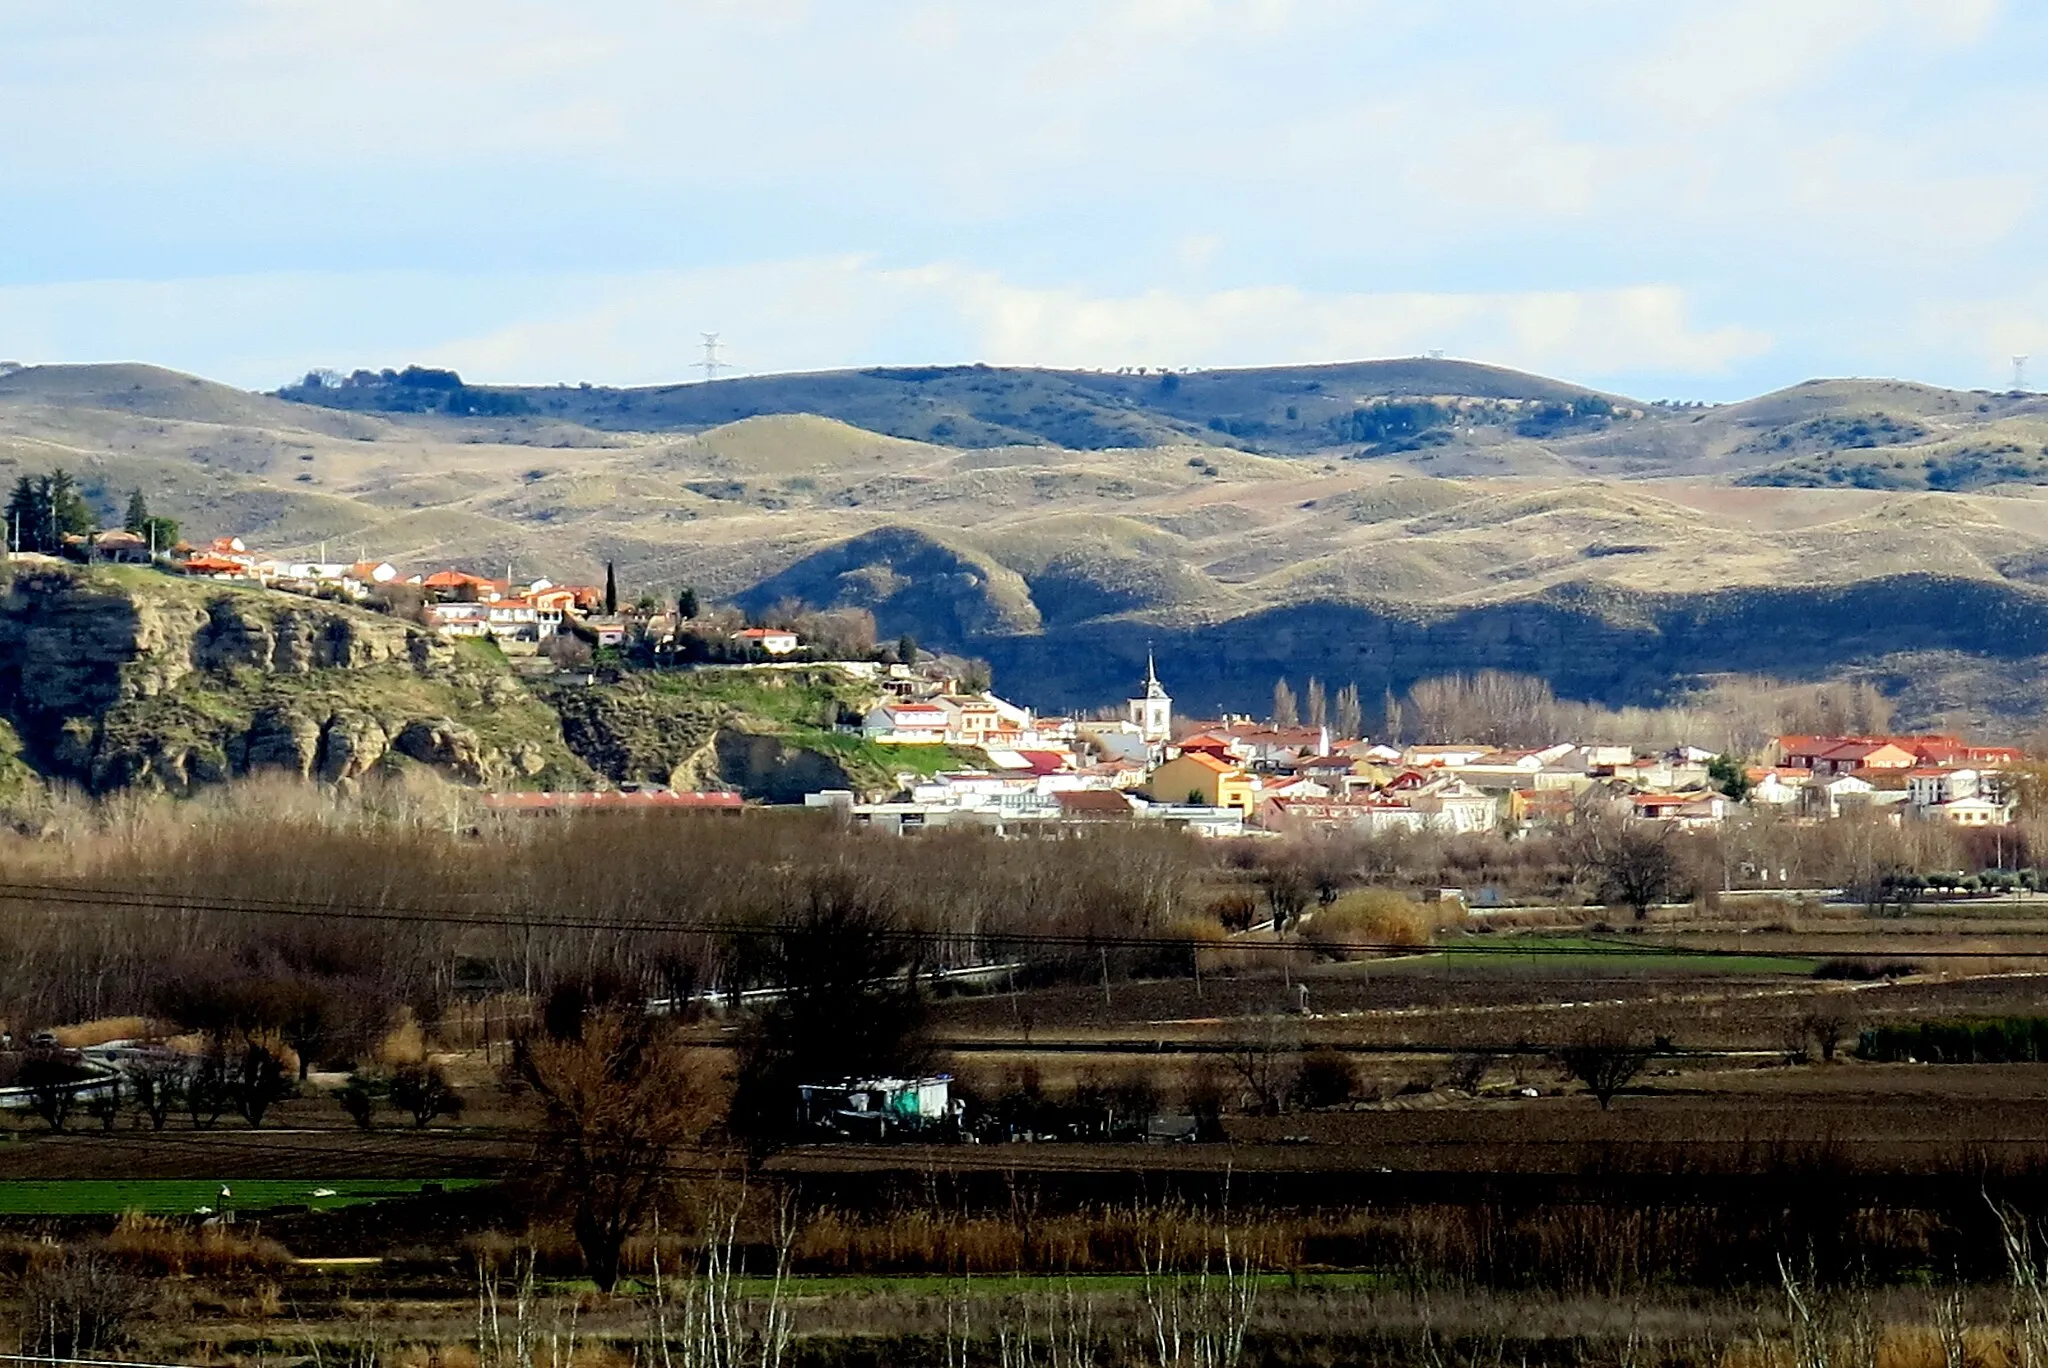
x=1285 y=714
x=687 y=606
x=69 y=515
x=25 y=516
x=137 y=520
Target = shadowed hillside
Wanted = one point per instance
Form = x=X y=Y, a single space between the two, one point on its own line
x=1375 y=521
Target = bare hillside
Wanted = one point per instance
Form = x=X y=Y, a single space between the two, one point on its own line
x=1461 y=502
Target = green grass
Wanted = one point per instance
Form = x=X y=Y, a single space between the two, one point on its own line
x=176 y=1196
x=1553 y=954
x=788 y=698
x=857 y=752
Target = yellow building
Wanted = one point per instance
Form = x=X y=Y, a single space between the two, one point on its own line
x=1203 y=779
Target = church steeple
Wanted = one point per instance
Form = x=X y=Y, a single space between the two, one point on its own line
x=1152 y=710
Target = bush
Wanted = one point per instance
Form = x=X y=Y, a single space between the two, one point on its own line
x=1326 y=1080
x=1864 y=970
x=79 y=1304
x=1988 y=1040
x=358 y=1098
x=1369 y=917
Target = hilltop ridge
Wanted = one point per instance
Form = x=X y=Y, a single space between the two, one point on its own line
x=1016 y=534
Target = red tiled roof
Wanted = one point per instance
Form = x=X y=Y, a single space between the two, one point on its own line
x=586 y=802
x=1093 y=803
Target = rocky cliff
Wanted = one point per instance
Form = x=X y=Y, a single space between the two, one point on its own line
x=126 y=678
x=116 y=679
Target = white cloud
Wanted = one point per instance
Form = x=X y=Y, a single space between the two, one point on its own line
x=821 y=313
x=1569 y=185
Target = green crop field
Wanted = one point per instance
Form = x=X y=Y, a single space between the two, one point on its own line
x=175 y=1196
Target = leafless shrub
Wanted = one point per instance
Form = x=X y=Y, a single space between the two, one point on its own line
x=1605 y=1062
x=80 y=1304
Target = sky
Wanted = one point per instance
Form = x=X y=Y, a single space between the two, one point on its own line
x=1694 y=199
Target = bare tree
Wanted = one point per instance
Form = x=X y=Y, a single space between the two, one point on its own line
x=79 y=1304
x=1632 y=863
x=1285 y=711
x=1826 y=1027
x=1350 y=715
x=1606 y=1062
x=422 y=1092
x=1318 y=703
x=158 y=1085
x=257 y=1082
x=51 y=1079
x=619 y=1098
x=1265 y=1064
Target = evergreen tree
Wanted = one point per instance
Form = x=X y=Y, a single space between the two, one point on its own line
x=161 y=532
x=137 y=520
x=1285 y=712
x=687 y=606
x=25 y=516
x=611 y=591
x=68 y=511
x=906 y=649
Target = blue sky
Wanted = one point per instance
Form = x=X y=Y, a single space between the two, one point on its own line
x=1679 y=199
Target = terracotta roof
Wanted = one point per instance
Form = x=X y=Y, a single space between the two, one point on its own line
x=1093 y=803
x=585 y=802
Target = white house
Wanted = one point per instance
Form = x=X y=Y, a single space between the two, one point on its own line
x=773 y=640
x=1931 y=785
x=1972 y=812
x=907 y=724
x=1457 y=807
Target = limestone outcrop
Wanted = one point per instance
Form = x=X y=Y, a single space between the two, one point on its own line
x=145 y=681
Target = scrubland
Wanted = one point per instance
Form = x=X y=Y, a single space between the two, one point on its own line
x=1387 y=1155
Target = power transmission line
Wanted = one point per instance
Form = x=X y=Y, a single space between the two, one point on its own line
x=131 y=900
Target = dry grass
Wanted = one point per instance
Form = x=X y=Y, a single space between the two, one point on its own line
x=168 y=1248
x=1378 y=916
x=86 y=1034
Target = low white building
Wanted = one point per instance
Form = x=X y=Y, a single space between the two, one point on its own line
x=906 y=724
x=772 y=640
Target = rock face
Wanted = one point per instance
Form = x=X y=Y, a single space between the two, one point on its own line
x=443 y=742
x=173 y=685
x=281 y=739
x=767 y=769
x=634 y=735
x=349 y=745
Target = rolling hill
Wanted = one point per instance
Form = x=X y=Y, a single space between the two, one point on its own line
x=1376 y=521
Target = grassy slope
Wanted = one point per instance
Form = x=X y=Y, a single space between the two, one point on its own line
x=793 y=705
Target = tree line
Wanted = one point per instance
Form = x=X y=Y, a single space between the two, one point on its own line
x=44 y=510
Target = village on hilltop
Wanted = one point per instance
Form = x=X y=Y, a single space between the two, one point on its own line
x=1226 y=776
